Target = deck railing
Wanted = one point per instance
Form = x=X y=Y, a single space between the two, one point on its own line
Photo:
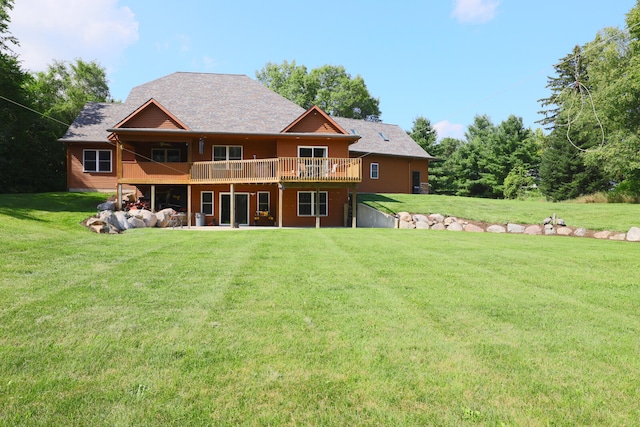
x=254 y=171
x=282 y=169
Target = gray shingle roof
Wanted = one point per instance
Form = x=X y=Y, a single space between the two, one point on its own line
x=372 y=139
x=229 y=103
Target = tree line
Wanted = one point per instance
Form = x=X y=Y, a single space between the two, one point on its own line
x=35 y=110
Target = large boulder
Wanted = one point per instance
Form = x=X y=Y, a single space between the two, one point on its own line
x=580 y=232
x=436 y=218
x=602 y=234
x=136 y=222
x=147 y=216
x=533 y=230
x=406 y=225
x=107 y=206
x=122 y=218
x=420 y=218
x=164 y=217
x=564 y=231
x=618 y=236
x=549 y=230
x=438 y=226
x=422 y=225
x=99 y=225
x=633 y=235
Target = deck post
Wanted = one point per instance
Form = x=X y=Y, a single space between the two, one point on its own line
x=119 y=198
x=189 y=205
x=280 y=194
x=153 y=198
x=354 y=204
x=232 y=206
x=317 y=208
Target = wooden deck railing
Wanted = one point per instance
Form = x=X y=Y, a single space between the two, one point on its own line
x=254 y=171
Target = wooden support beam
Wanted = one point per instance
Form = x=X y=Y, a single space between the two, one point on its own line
x=317 y=208
x=354 y=204
x=153 y=198
x=189 y=206
x=232 y=205
x=280 y=195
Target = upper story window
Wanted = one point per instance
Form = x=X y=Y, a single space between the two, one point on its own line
x=314 y=152
x=227 y=152
x=374 y=170
x=165 y=155
x=96 y=161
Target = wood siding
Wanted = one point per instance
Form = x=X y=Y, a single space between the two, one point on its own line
x=78 y=180
x=152 y=117
x=395 y=174
x=314 y=123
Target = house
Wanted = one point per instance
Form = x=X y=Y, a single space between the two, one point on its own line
x=224 y=146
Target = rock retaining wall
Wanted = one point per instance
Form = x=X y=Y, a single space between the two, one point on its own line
x=440 y=222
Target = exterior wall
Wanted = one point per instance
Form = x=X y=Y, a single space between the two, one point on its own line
x=337 y=198
x=78 y=180
x=289 y=148
x=394 y=174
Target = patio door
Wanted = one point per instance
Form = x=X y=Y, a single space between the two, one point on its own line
x=242 y=208
x=313 y=167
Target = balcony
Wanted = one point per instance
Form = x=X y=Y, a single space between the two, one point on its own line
x=282 y=169
x=255 y=171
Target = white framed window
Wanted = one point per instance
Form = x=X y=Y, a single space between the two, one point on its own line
x=374 y=170
x=165 y=155
x=307 y=203
x=223 y=153
x=96 y=161
x=206 y=202
x=263 y=201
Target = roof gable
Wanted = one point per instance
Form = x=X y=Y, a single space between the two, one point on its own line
x=314 y=120
x=152 y=115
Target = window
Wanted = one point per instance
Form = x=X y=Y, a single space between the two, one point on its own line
x=206 y=202
x=307 y=203
x=96 y=160
x=383 y=136
x=313 y=152
x=165 y=154
x=374 y=170
x=263 y=201
x=222 y=153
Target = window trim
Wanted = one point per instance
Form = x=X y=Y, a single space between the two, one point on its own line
x=97 y=160
x=374 y=170
x=313 y=203
x=227 y=147
x=202 y=203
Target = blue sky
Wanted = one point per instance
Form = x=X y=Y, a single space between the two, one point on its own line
x=446 y=60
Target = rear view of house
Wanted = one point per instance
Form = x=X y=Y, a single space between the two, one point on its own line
x=234 y=152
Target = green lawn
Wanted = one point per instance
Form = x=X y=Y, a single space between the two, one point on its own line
x=310 y=327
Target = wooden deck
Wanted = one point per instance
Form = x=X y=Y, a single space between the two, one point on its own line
x=254 y=171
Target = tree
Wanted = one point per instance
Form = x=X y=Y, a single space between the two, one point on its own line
x=329 y=87
x=424 y=134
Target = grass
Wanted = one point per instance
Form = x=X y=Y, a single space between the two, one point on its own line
x=594 y=216
x=310 y=327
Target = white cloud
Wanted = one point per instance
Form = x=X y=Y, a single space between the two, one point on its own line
x=446 y=129
x=475 y=11
x=68 y=29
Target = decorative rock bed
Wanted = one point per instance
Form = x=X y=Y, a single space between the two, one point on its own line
x=548 y=228
x=114 y=222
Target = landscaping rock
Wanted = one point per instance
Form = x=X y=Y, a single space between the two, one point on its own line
x=437 y=218
x=422 y=225
x=633 y=235
x=602 y=235
x=407 y=225
x=147 y=216
x=549 y=230
x=438 y=226
x=455 y=226
x=136 y=222
x=472 y=228
x=496 y=229
x=564 y=231
x=619 y=236
x=533 y=230
x=420 y=218
x=164 y=217
x=450 y=220
x=107 y=206
x=122 y=217
x=580 y=232
x=515 y=228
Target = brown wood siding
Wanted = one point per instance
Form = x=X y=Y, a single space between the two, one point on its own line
x=152 y=117
x=336 y=201
x=314 y=123
x=336 y=148
x=394 y=174
x=77 y=180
